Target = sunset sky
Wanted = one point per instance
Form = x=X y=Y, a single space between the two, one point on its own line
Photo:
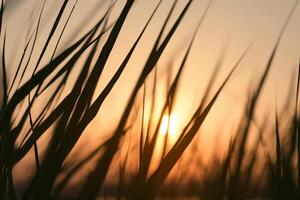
x=230 y=26
x=149 y=99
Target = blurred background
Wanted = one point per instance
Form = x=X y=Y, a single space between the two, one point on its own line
x=228 y=29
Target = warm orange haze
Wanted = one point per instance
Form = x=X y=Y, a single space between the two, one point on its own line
x=140 y=99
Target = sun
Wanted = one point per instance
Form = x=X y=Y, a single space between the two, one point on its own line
x=169 y=124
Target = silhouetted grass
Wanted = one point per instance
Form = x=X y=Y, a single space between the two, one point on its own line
x=66 y=114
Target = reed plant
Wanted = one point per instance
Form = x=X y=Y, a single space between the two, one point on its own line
x=67 y=111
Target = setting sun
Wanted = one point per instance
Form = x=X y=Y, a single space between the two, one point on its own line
x=169 y=125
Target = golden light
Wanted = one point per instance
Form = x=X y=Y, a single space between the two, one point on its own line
x=169 y=125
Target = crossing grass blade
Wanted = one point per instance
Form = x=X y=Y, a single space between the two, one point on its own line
x=92 y=185
x=156 y=179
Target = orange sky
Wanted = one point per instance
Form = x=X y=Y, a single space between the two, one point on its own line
x=233 y=24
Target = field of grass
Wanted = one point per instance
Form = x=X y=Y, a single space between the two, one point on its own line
x=50 y=95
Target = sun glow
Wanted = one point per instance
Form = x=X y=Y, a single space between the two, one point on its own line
x=169 y=124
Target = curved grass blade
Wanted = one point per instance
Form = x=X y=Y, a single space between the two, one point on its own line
x=177 y=150
x=52 y=31
x=93 y=184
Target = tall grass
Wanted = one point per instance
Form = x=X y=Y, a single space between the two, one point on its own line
x=66 y=114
